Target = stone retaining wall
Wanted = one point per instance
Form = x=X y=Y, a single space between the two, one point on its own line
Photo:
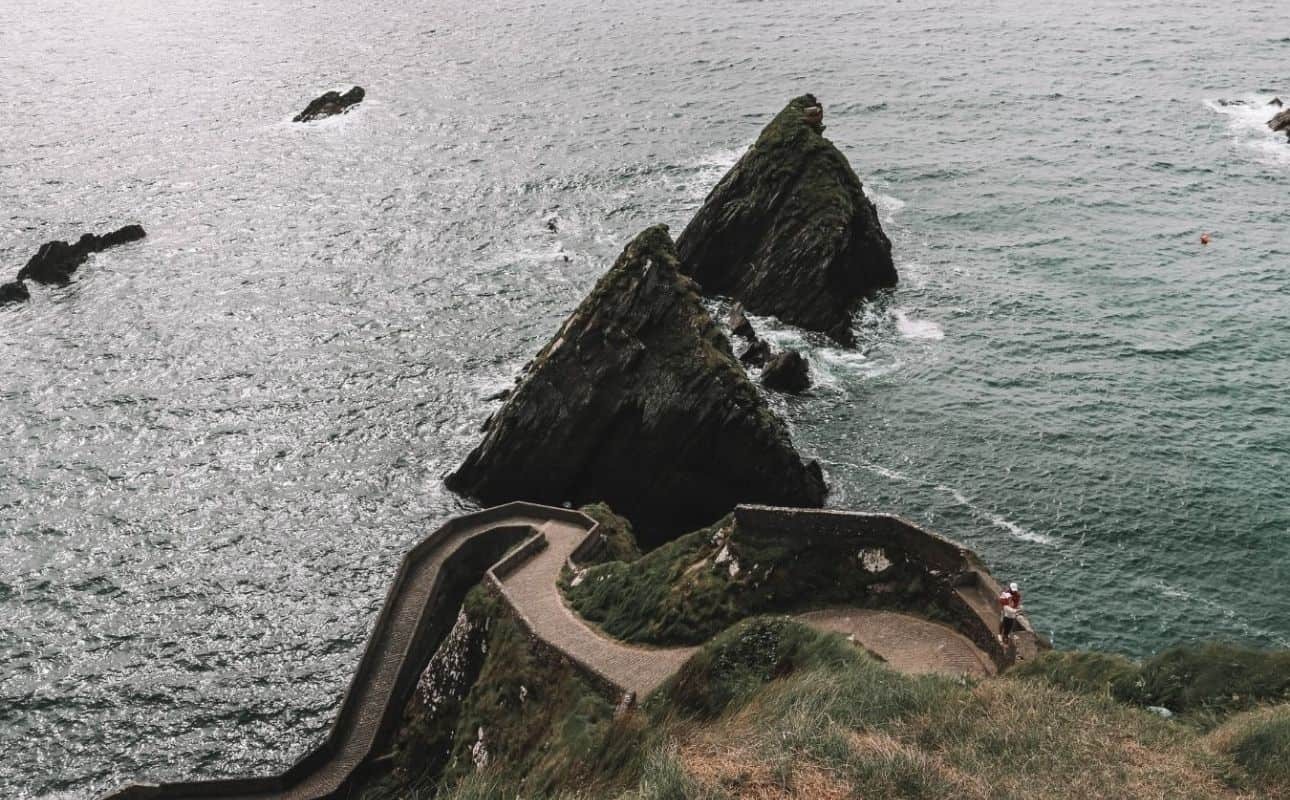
x=956 y=580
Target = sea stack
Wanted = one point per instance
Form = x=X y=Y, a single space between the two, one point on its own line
x=789 y=232
x=330 y=104
x=639 y=402
x=55 y=261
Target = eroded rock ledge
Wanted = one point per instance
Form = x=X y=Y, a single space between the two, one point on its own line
x=639 y=402
x=789 y=232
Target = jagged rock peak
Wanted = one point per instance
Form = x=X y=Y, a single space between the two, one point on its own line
x=789 y=232
x=639 y=402
x=55 y=261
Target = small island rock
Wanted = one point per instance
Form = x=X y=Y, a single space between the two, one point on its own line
x=787 y=372
x=13 y=292
x=55 y=261
x=330 y=104
x=639 y=402
x=789 y=232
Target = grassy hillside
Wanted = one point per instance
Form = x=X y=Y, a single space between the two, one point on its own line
x=772 y=709
x=768 y=708
x=692 y=588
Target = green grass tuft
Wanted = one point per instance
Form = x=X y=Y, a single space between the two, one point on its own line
x=1211 y=678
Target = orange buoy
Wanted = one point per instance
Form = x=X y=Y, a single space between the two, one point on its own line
x=1204 y=238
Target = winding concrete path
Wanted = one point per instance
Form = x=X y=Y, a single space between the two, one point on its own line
x=421 y=606
x=531 y=590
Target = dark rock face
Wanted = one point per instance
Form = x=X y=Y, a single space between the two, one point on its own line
x=15 y=292
x=789 y=232
x=787 y=372
x=55 y=261
x=1281 y=122
x=639 y=402
x=757 y=354
x=330 y=104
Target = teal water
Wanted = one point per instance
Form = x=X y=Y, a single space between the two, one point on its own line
x=221 y=440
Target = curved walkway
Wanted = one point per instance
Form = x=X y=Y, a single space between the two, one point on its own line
x=906 y=643
x=531 y=590
x=420 y=607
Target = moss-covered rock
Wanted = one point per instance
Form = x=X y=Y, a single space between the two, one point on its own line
x=639 y=402
x=789 y=232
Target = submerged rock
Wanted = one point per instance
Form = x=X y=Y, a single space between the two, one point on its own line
x=55 y=261
x=14 y=292
x=787 y=372
x=1276 y=101
x=330 y=104
x=789 y=232
x=638 y=402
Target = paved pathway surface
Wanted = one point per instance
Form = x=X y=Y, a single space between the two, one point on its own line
x=907 y=643
x=532 y=591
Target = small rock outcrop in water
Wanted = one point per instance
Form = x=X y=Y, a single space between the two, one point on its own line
x=55 y=261
x=639 y=402
x=787 y=372
x=789 y=232
x=757 y=354
x=330 y=104
x=1281 y=123
x=15 y=292
x=739 y=324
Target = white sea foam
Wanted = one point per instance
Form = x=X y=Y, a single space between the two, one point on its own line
x=1248 y=125
x=709 y=168
x=1252 y=631
x=912 y=328
x=887 y=205
x=998 y=520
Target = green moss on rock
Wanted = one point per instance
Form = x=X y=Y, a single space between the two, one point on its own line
x=698 y=585
x=789 y=232
x=639 y=402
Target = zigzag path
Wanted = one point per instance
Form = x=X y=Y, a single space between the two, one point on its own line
x=421 y=605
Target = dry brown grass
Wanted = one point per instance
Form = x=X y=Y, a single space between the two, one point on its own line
x=741 y=772
x=999 y=739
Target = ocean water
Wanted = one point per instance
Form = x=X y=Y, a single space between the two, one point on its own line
x=218 y=442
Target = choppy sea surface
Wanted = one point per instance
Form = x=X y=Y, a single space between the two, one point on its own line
x=218 y=442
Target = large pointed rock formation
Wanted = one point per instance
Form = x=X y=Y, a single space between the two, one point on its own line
x=639 y=402
x=789 y=232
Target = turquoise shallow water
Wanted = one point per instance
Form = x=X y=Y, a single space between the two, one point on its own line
x=221 y=440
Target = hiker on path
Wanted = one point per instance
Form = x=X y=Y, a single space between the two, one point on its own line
x=1010 y=605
